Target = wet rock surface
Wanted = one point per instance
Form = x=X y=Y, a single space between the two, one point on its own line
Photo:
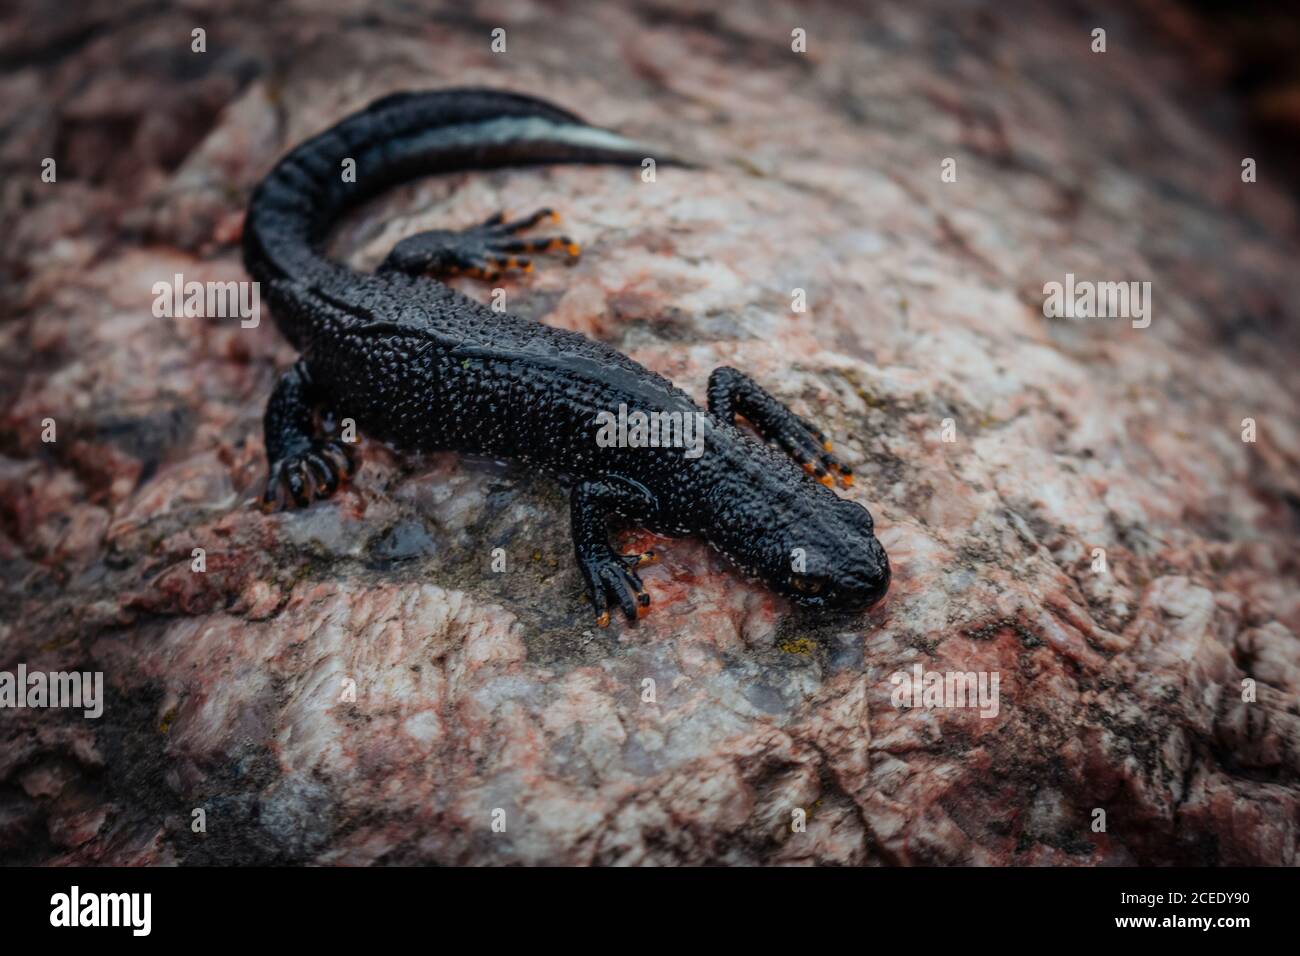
x=356 y=684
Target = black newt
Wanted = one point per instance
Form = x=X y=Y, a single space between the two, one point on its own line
x=419 y=365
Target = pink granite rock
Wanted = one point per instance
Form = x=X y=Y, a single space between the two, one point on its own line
x=355 y=684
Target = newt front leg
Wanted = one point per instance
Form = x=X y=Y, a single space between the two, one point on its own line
x=732 y=392
x=609 y=575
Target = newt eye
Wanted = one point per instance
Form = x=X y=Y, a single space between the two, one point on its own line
x=807 y=585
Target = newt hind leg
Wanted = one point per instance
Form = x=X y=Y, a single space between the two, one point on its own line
x=306 y=461
x=483 y=251
x=732 y=392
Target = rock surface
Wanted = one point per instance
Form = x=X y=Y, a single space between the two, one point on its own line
x=231 y=690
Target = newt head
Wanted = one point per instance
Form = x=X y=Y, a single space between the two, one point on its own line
x=807 y=543
x=844 y=569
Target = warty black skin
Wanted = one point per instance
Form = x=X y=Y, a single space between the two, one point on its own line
x=423 y=367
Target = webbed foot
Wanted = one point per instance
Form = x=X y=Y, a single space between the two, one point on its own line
x=484 y=251
x=311 y=471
